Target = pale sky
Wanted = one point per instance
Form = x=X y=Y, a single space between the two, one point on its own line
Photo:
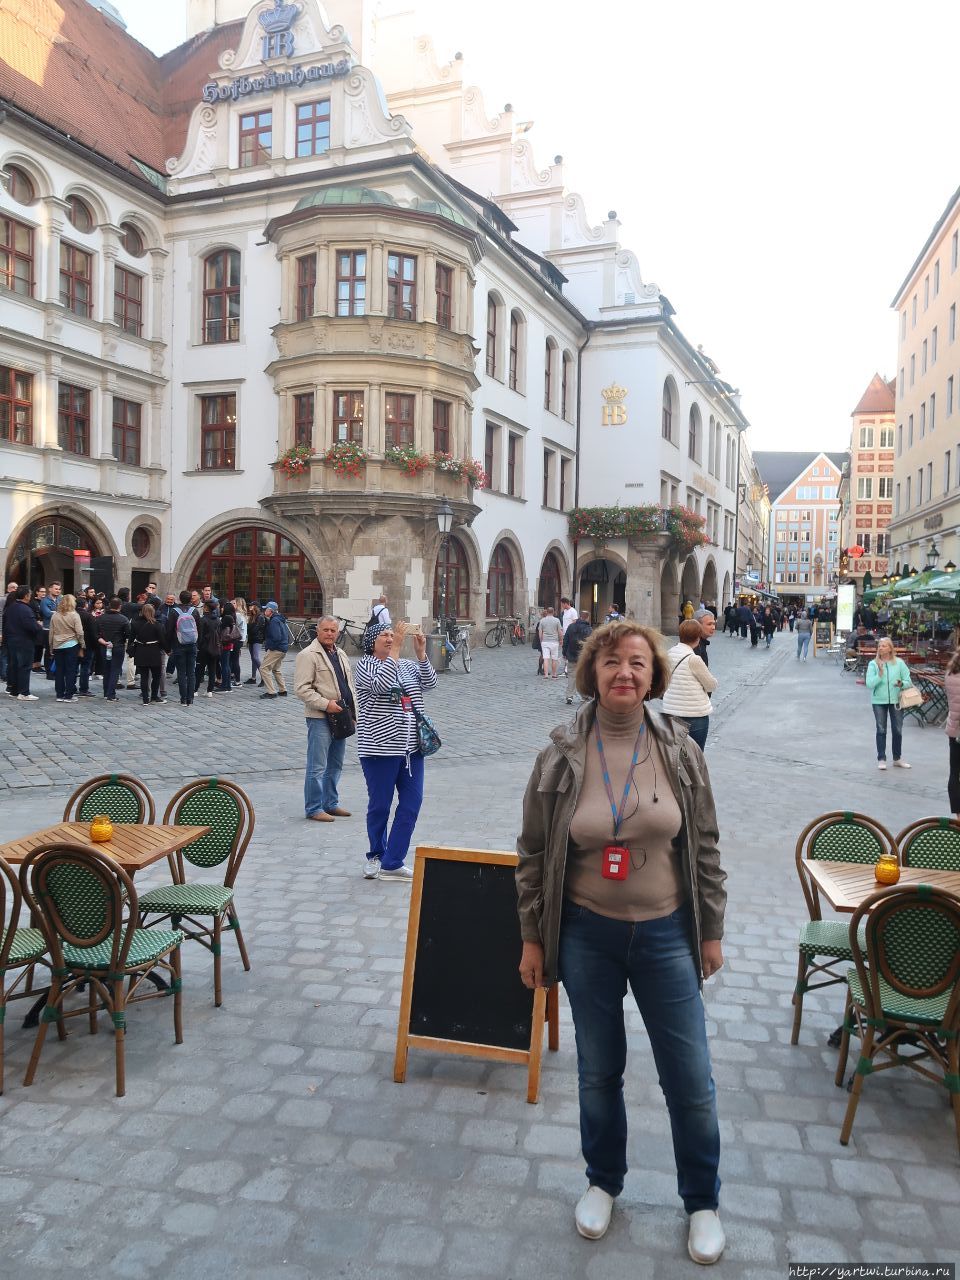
x=776 y=168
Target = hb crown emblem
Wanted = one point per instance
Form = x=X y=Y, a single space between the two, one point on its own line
x=276 y=22
x=614 y=414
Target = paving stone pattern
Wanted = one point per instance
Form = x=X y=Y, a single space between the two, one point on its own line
x=274 y=1142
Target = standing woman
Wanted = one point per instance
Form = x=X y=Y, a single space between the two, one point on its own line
x=67 y=646
x=619 y=883
x=208 y=646
x=389 y=694
x=952 y=729
x=887 y=677
x=240 y=608
x=148 y=647
x=256 y=630
x=688 y=694
x=229 y=640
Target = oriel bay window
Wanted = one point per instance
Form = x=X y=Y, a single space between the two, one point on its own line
x=218 y=432
x=444 y=296
x=16 y=406
x=313 y=128
x=351 y=283
x=126 y=431
x=73 y=419
x=401 y=286
x=221 y=296
x=256 y=138
x=128 y=300
x=76 y=286
x=306 y=285
x=303 y=419
x=16 y=257
x=398 y=415
x=441 y=426
x=348 y=417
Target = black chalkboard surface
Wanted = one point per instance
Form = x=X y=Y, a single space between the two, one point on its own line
x=823 y=635
x=461 y=987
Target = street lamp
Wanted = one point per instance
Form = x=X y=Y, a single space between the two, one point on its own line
x=445 y=524
x=949 y=567
x=933 y=555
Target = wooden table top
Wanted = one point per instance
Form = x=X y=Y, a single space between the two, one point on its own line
x=134 y=845
x=846 y=884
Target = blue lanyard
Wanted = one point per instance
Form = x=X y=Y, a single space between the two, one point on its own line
x=618 y=813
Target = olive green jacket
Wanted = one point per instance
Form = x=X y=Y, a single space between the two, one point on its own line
x=548 y=808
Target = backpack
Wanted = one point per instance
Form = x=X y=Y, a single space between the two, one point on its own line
x=186 y=627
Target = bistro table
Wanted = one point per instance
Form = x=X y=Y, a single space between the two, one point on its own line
x=846 y=884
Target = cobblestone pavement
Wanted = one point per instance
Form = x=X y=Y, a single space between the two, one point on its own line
x=273 y=1142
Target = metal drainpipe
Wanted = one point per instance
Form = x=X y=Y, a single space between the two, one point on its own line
x=736 y=521
x=576 y=472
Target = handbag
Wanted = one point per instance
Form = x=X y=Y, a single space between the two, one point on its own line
x=910 y=697
x=342 y=725
x=427 y=737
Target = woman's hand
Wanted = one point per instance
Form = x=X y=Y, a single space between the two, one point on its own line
x=531 y=965
x=420 y=645
x=711 y=957
x=399 y=635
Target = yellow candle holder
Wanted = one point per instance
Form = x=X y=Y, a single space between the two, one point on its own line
x=101 y=829
x=887 y=869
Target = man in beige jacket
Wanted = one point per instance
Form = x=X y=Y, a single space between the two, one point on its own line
x=323 y=681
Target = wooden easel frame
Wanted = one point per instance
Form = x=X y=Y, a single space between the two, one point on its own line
x=545 y=1002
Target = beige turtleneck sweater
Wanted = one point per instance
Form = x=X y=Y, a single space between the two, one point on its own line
x=654 y=885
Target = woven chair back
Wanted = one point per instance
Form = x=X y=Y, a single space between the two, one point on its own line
x=120 y=796
x=839 y=836
x=933 y=843
x=10 y=898
x=223 y=807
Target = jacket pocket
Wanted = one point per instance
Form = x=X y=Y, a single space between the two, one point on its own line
x=556 y=779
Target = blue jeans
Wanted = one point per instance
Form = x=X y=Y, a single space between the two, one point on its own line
x=803 y=643
x=226 y=670
x=111 y=671
x=324 y=766
x=20 y=663
x=599 y=956
x=880 y=710
x=698 y=726
x=386 y=775
x=185 y=660
x=84 y=670
x=65 y=675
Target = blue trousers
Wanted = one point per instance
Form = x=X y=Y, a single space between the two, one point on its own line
x=20 y=662
x=324 y=766
x=385 y=776
x=65 y=675
x=185 y=660
x=599 y=956
x=803 y=643
x=84 y=670
x=880 y=712
x=111 y=671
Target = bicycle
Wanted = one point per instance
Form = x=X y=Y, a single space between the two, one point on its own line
x=346 y=633
x=301 y=634
x=457 y=641
x=504 y=627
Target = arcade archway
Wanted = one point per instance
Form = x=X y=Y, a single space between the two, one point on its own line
x=51 y=549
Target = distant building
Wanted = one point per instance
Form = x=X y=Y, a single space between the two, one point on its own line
x=866 y=487
x=804 y=541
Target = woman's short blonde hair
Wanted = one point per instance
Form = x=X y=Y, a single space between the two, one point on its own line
x=66 y=604
x=885 y=640
x=610 y=636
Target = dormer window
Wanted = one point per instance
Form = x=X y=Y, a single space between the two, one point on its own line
x=256 y=138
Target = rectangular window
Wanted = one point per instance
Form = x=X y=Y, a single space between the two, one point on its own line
x=548 y=457
x=441 y=426
x=16 y=257
x=933 y=345
x=564 y=482
x=896 y=502
x=514 y=368
x=883 y=544
x=306 y=285
x=954 y=250
x=256 y=138
x=936 y=277
x=128 y=300
x=923 y=357
x=401 y=286
x=303 y=406
x=910 y=432
x=16 y=406
x=444 y=284
x=865 y=487
x=491 y=336
x=903 y=325
x=900 y=387
x=949 y=396
x=126 y=431
x=76 y=284
x=923 y=420
x=564 y=369
x=73 y=419
x=946 y=472
x=885 y=487
x=920 y=487
x=489 y=443
x=348 y=417
x=864 y=541
x=913 y=369
x=351 y=283
x=513 y=455
x=221 y=297
x=926 y=292
x=398 y=412
x=886 y=437
x=548 y=375
x=952 y=323
x=866 y=437
x=933 y=411
x=929 y=481
x=913 y=309
x=828 y=492
x=218 y=432
x=899 y=439
x=313 y=128
x=906 y=495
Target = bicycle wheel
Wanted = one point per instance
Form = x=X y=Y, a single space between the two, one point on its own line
x=494 y=638
x=465 y=655
x=306 y=636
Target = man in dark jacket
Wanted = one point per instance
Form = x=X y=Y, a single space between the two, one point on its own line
x=22 y=632
x=89 y=624
x=275 y=644
x=11 y=595
x=182 y=651
x=708 y=625
x=113 y=631
x=745 y=620
x=573 y=641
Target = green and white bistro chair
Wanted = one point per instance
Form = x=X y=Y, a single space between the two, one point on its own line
x=120 y=796
x=20 y=949
x=87 y=907
x=933 y=843
x=200 y=908
x=903 y=997
x=839 y=836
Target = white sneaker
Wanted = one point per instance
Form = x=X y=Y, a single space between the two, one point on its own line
x=396 y=873
x=706 y=1240
x=371 y=868
x=593 y=1212
x=901 y=764
x=27 y=697
x=881 y=764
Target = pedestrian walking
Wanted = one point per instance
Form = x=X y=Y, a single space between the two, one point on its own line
x=769 y=625
x=804 y=629
x=619 y=883
x=389 y=697
x=568 y=616
x=323 y=682
x=276 y=641
x=952 y=730
x=22 y=632
x=887 y=677
x=66 y=643
x=574 y=638
x=688 y=692
x=549 y=631
x=229 y=640
x=148 y=648
x=113 y=632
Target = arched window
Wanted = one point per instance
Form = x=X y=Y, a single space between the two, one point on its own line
x=131 y=239
x=44 y=553
x=549 y=372
x=667 y=419
x=492 y=310
x=78 y=211
x=566 y=385
x=517 y=350
x=221 y=296
x=548 y=586
x=258 y=564
x=452 y=566
x=696 y=435
x=500 y=583
x=19 y=184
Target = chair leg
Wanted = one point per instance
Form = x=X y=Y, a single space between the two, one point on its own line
x=798 y=997
x=866 y=1051
x=92 y=1008
x=177 y=996
x=235 y=923
x=119 y=1031
x=953 y=1067
x=53 y=1002
x=217 y=923
x=844 y=1042
x=3 y=1014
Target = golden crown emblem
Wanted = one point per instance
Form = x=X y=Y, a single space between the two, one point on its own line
x=280 y=18
x=614 y=394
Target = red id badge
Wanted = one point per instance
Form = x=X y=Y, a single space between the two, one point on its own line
x=616 y=862
x=406 y=703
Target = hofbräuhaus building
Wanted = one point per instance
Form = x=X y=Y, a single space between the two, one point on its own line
x=271 y=302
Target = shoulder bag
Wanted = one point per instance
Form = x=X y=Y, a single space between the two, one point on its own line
x=427 y=737
x=342 y=725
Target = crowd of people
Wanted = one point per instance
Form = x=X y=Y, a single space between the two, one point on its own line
x=144 y=643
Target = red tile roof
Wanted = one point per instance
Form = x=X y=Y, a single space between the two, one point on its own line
x=879 y=397
x=65 y=63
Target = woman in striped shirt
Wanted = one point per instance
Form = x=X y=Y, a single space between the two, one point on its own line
x=388 y=689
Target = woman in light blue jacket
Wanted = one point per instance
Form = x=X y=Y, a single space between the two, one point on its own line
x=887 y=677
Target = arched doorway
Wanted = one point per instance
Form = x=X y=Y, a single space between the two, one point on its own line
x=452 y=580
x=726 y=590
x=602 y=583
x=259 y=564
x=500 y=581
x=549 y=585
x=708 y=591
x=51 y=550
x=690 y=583
x=669 y=598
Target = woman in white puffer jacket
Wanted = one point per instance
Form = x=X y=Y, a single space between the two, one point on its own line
x=688 y=693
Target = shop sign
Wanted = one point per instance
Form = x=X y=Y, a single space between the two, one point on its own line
x=613 y=414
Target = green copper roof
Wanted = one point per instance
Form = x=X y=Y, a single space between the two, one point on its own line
x=440 y=210
x=325 y=196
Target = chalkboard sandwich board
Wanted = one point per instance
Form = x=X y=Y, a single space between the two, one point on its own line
x=461 y=984
x=822 y=636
